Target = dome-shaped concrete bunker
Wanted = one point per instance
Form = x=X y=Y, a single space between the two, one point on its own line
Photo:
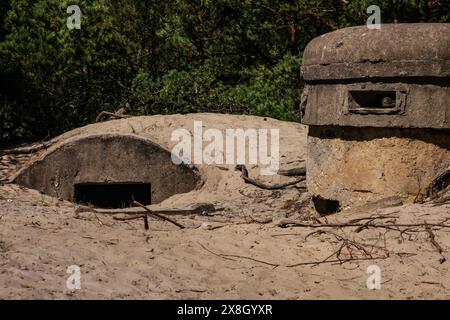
x=108 y=170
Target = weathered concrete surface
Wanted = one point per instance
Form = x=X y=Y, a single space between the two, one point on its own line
x=396 y=50
x=354 y=165
x=421 y=106
x=378 y=106
x=111 y=158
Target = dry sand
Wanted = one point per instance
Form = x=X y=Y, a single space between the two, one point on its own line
x=237 y=253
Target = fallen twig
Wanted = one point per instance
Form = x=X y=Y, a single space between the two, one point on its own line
x=144 y=217
x=385 y=216
x=197 y=208
x=238 y=256
x=150 y=212
x=285 y=234
x=292 y=172
x=292 y=223
x=247 y=179
x=100 y=221
x=251 y=220
x=435 y=243
x=348 y=245
x=25 y=150
x=216 y=254
x=364 y=226
x=340 y=261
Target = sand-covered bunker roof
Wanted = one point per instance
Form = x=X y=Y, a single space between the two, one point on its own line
x=137 y=151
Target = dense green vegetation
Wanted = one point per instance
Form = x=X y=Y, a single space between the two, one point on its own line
x=176 y=56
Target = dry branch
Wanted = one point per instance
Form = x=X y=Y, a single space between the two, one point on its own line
x=340 y=261
x=144 y=217
x=408 y=229
x=345 y=243
x=25 y=150
x=154 y=214
x=227 y=256
x=216 y=254
x=435 y=243
x=292 y=223
x=292 y=172
x=196 y=208
x=247 y=179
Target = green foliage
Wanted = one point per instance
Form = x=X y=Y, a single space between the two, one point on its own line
x=272 y=91
x=176 y=56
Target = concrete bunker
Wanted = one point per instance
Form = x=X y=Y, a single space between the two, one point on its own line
x=108 y=171
x=377 y=103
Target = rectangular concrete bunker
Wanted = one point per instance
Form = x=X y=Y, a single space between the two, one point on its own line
x=377 y=103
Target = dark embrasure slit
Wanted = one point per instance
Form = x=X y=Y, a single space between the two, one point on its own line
x=373 y=102
x=112 y=195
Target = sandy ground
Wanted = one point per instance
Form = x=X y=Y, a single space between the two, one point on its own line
x=240 y=252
